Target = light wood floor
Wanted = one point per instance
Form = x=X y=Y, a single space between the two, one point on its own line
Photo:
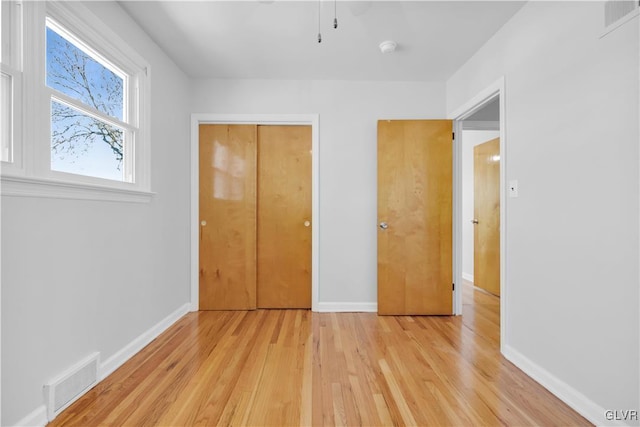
x=294 y=367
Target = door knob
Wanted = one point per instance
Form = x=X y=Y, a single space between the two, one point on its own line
x=474 y=221
x=384 y=225
x=307 y=223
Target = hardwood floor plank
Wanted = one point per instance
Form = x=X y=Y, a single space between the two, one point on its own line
x=295 y=367
x=398 y=397
x=383 y=410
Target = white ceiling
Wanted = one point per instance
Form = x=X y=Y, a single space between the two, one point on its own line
x=278 y=40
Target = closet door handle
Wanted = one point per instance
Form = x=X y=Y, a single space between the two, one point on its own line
x=202 y=225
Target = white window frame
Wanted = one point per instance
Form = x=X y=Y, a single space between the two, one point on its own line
x=15 y=99
x=33 y=176
x=12 y=68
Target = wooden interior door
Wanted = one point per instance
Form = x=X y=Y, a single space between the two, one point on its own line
x=228 y=217
x=284 y=217
x=486 y=188
x=415 y=217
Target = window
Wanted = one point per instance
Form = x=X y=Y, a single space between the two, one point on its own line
x=86 y=92
x=89 y=126
x=10 y=81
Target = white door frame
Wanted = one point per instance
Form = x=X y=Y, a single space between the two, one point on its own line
x=497 y=89
x=258 y=119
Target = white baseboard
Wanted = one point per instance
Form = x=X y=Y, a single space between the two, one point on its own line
x=351 y=307
x=130 y=350
x=37 y=418
x=593 y=412
x=467 y=276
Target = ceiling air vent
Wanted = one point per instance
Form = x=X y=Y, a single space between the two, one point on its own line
x=618 y=12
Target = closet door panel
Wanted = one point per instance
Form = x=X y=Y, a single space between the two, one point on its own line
x=284 y=217
x=228 y=217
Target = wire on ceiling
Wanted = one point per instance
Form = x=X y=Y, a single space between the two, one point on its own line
x=319 y=33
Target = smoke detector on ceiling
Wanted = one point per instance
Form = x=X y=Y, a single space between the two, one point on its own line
x=388 y=46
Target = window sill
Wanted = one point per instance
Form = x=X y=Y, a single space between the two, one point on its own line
x=19 y=186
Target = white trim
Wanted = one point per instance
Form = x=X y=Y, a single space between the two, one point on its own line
x=114 y=362
x=467 y=277
x=593 y=412
x=496 y=89
x=12 y=30
x=13 y=68
x=87 y=110
x=260 y=119
x=456 y=247
x=21 y=186
x=347 y=307
x=477 y=102
x=14 y=164
x=37 y=418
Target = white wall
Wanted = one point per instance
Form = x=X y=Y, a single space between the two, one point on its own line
x=470 y=138
x=573 y=246
x=348 y=119
x=83 y=276
x=572 y=235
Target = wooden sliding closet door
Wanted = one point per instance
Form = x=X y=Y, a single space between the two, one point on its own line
x=284 y=217
x=228 y=217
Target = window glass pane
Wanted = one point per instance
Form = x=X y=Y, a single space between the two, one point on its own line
x=84 y=145
x=6 y=110
x=75 y=73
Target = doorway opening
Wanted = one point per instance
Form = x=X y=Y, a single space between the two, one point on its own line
x=479 y=218
x=481 y=221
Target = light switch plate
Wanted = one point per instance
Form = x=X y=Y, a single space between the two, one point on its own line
x=513 y=188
